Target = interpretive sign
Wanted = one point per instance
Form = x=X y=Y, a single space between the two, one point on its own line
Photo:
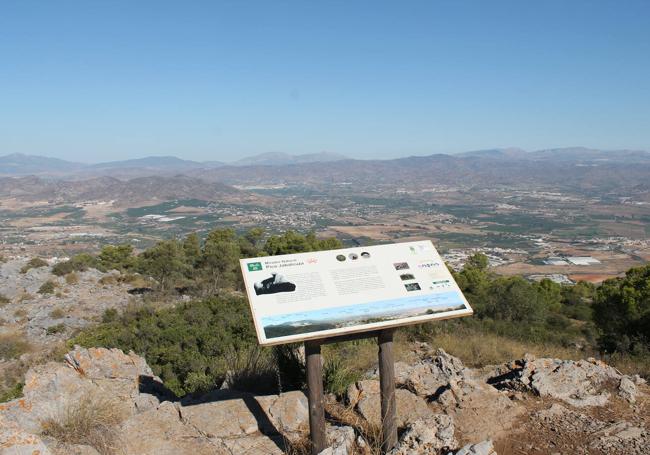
x=323 y=294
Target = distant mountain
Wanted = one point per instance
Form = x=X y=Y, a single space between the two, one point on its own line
x=565 y=154
x=498 y=153
x=283 y=159
x=123 y=193
x=161 y=163
x=587 y=154
x=19 y=164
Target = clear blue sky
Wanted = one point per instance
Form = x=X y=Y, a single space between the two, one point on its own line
x=103 y=80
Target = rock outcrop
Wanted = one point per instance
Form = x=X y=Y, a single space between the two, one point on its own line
x=579 y=383
x=553 y=406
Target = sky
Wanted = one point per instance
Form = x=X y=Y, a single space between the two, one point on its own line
x=105 y=80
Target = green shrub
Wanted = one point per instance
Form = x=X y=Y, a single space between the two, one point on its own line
x=33 y=263
x=54 y=329
x=11 y=393
x=47 y=288
x=4 y=300
x=79 y=263
x=193 y=337
x=337 y=376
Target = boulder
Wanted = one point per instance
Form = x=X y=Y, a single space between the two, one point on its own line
x=287 y=412
x=366 y=395
x=426 y=436
x=221 y=414
x=341 y=441
x=578 y=383
x=627 y=389
x=50 y=389
x=161 y=432
x=428 y=377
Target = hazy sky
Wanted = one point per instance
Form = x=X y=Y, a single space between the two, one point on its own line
x=101 y=80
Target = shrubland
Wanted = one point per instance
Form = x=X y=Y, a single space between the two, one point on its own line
x=197 y=344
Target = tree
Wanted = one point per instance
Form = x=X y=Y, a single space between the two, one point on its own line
x=192 y=249
x=117 y=257
x=478 y=261
x=166 y=262
x=622 y=310
x=515 y=299
x=219 y=264
x=292 y=242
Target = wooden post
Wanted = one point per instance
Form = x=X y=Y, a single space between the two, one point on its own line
x=315 y=397
x=387 y=387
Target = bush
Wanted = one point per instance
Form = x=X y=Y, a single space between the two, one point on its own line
x=88 y=421
x=57 y=313
x=33 y=263
x=47 y=288
x=78 y=263
x=187 y=346
x=4 y=300
x=72 y=278
x=54 y=329
x=11 y=393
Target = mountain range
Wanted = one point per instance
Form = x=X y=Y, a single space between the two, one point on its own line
x=20 y=165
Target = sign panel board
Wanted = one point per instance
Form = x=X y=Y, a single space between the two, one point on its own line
x=303 y=296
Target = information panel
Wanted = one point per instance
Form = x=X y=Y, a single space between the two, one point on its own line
x=296 y=297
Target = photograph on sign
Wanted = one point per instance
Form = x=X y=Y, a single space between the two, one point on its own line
x=302 y=296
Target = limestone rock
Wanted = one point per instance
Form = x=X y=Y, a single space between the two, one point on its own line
x=581 y=383
x=287 y=412
x=482 y=448
x=627 y=389
x=53 y=387
x=254 y=445
x=16 y=441
x=161 y=432
x=367 y=396
x=429 y=376
x=221 y=414
x=340 y=439
x=426 y=436
x=623 y=438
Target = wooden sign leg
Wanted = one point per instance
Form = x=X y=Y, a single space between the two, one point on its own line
x=315 y=397
x=387 y=386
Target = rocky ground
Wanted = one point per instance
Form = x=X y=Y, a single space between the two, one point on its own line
x=528 y=406
x=43 y=321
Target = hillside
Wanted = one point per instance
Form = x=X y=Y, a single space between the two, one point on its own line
x=123 y=193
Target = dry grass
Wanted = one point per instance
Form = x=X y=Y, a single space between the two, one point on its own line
x=346 y=415
x=57 y=313
x=13 y=345
x=89 y=421
x=72 y=278
x=479 y=349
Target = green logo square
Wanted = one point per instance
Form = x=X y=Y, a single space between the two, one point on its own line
x=254 y=266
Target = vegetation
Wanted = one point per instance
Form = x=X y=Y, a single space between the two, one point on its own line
x=4 y=300
x=54 y=329
x=197 y=345
x=88 y=421
x=47 y=288
x=12 y=345
x=33 y=263
x=78 y=263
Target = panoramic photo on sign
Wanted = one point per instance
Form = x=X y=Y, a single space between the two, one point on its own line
x=320 y=294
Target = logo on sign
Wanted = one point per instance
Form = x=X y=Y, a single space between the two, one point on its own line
x=254 y=266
